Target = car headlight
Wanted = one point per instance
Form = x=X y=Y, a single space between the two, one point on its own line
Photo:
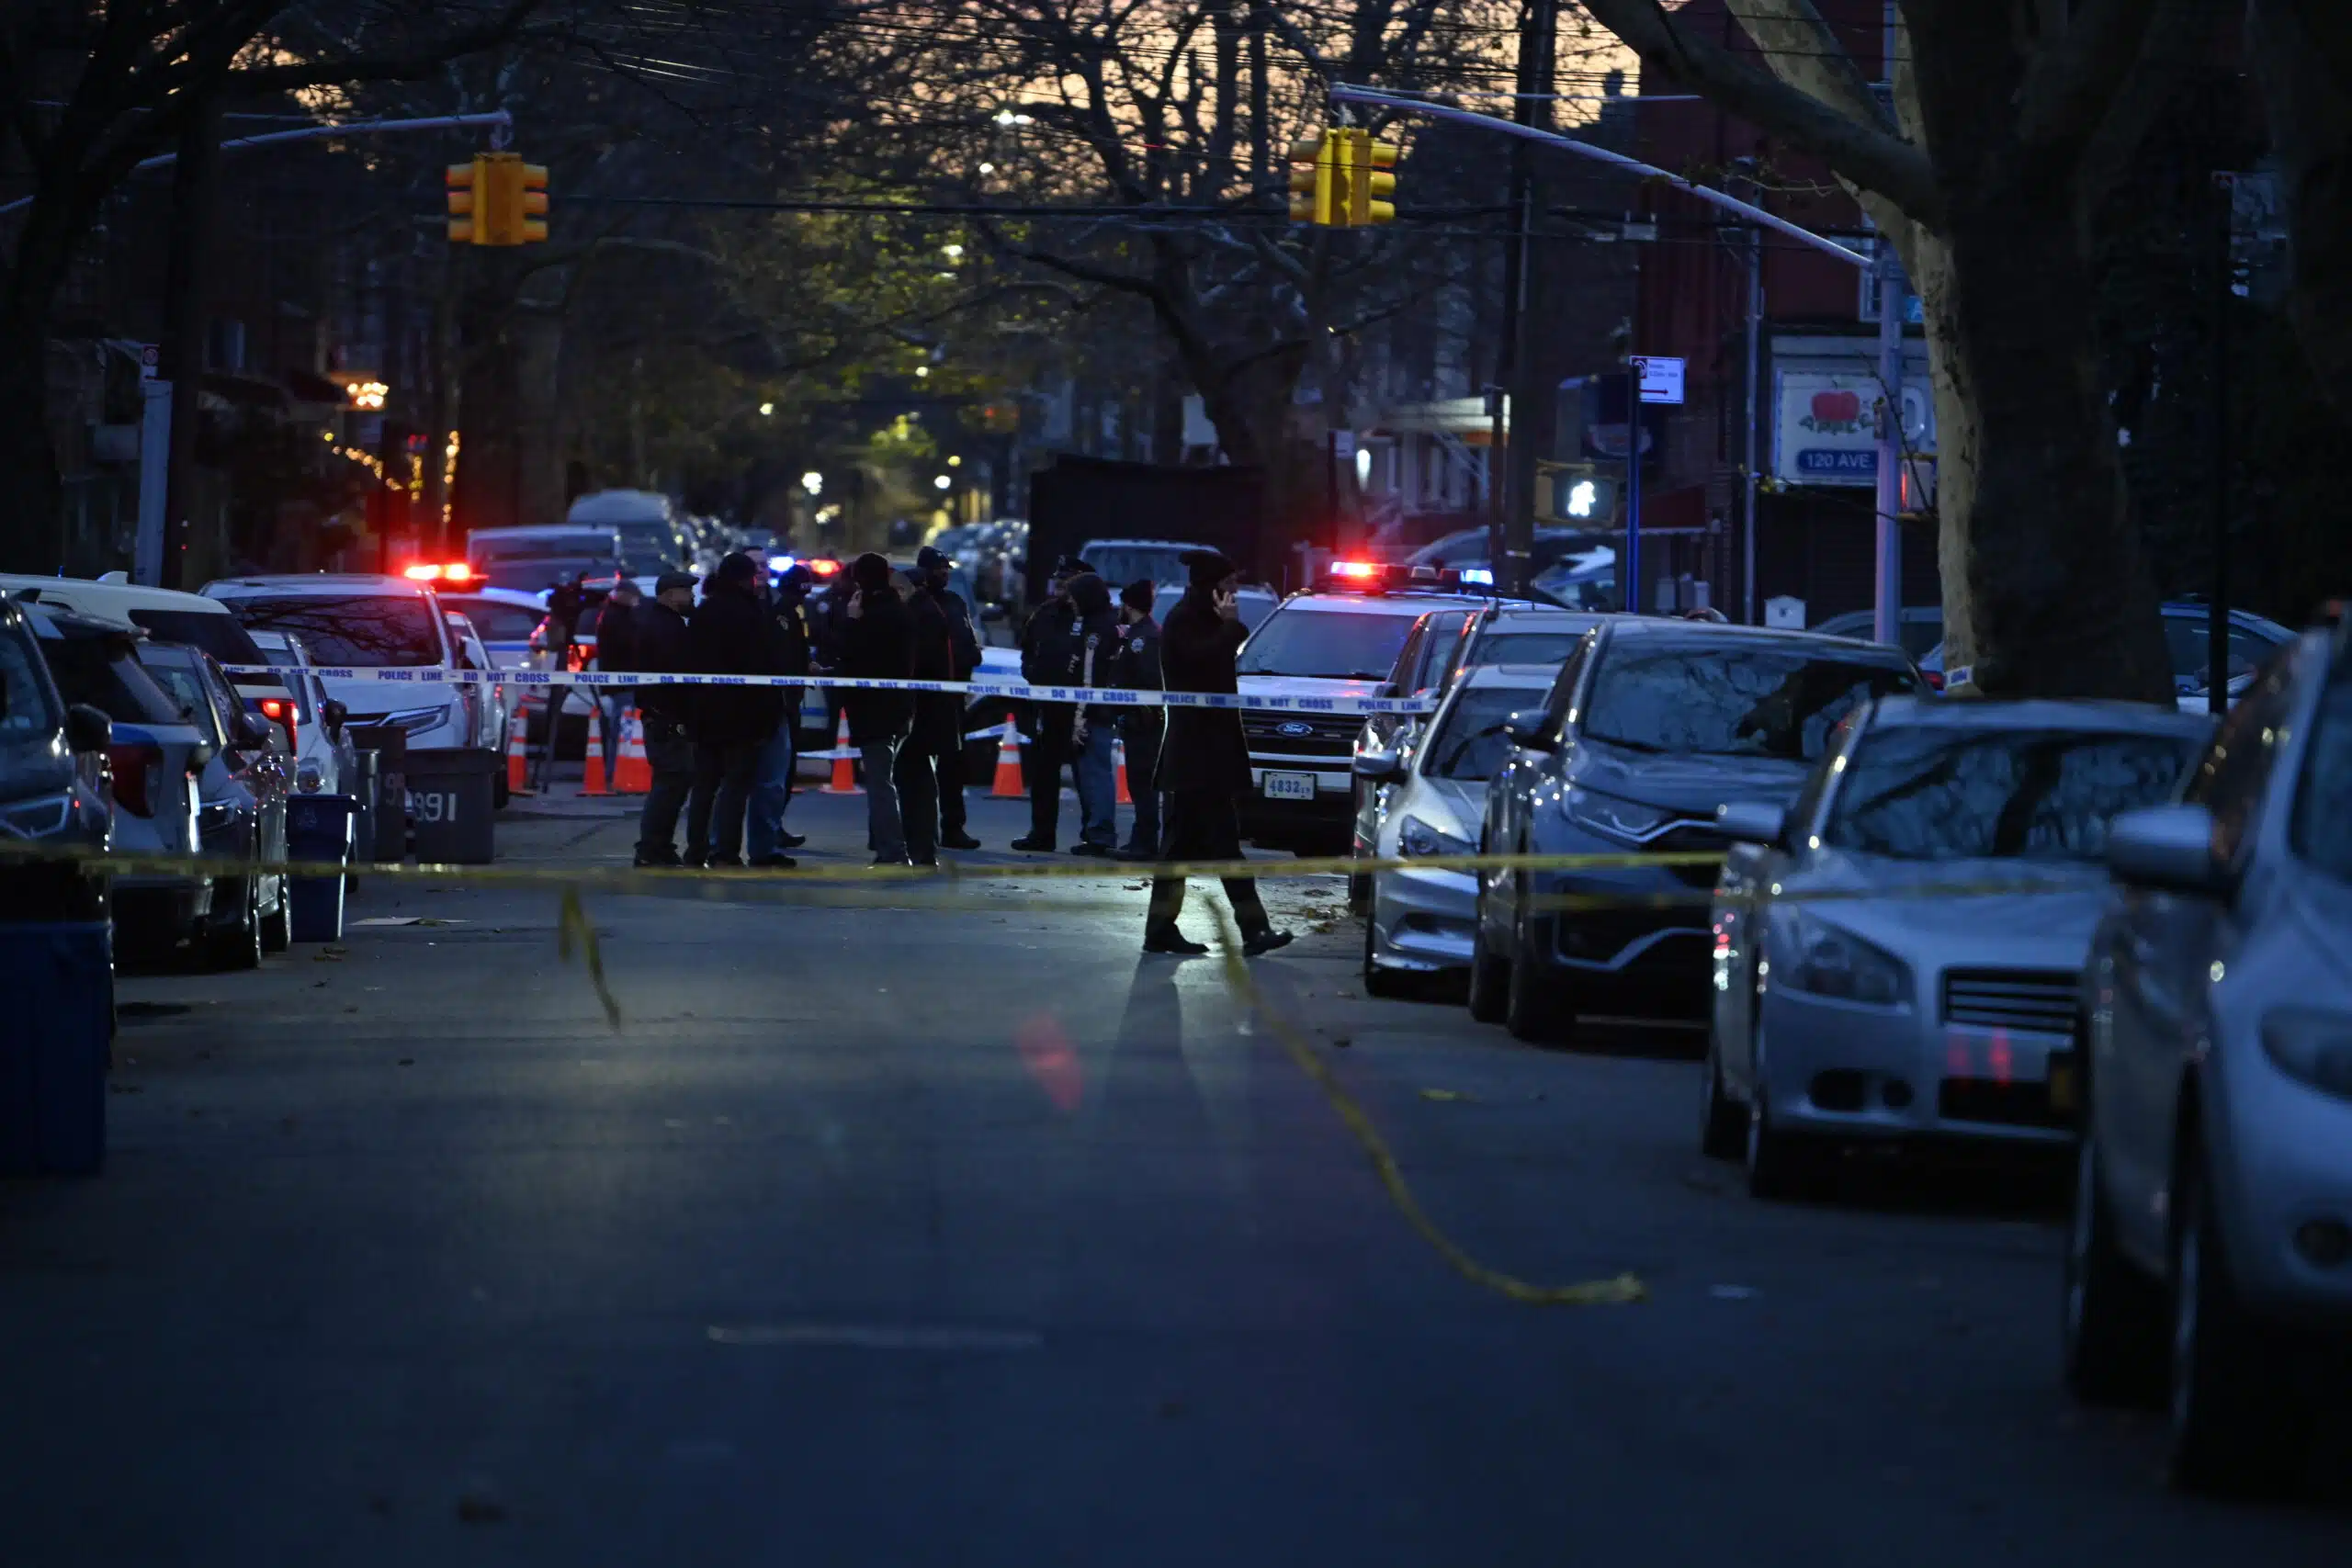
x=2312 y=1046
x=1608 y=814
x=311 y=777
x=1829 y=962
x=1415 y=836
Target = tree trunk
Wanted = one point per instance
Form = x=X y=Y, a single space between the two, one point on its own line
x=30 y=493
x=2047 y=587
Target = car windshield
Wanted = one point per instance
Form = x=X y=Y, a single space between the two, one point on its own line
x=1471 y=743
x=2320 y=827
x=498 y=621
x=26 y=712
x=2187 y=639
x=221 y=635
x=351 y=631
x=536 y=574
x=1931 y=794
x=1530 y=646
x=180 y=671
x=1340 y=644
x=1731 y=701
x=1119 y=565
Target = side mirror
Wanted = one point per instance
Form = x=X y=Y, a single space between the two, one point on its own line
x=1379 y=767
x=254 y=731
x=1526 y=732
x=87 y=728
x=2169 y=848
x=1751 y=822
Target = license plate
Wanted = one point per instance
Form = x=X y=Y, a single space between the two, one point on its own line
x=2066 y=1084
x=1290 y=786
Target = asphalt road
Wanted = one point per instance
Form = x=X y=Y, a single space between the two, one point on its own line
x=911 y=1236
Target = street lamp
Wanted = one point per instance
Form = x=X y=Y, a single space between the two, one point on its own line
x=922 y=370
x=813 y=482
x=955 y=462
x=944 y=481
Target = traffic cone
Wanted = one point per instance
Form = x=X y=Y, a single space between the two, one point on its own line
x=1007 y=785
x=632 y=770
x=844 y=779
x=518 y=754
x=593 y=765
x=1119 y=765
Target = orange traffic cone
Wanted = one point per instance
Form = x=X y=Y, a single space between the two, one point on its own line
x=632 y=770
x=518 y=754
x=1007 y=785
x=593 y=773
x=844 y=779
x=1119 y=769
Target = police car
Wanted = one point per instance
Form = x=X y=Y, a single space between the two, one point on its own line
x=1338 y=639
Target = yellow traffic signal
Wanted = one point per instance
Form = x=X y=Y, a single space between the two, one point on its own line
x=1368 y=182
x=461 y=178
x=1314 y=178
x=497 y=199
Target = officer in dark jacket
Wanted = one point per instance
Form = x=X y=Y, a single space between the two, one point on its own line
x=938 y=730
x=933 y=568
x=659 y=632
x=615 y=650
x=729 y=635
x=878 y=643
x=1092 y=738
x=764 y=838
x=1206 y=761
x=1049 y=651
x=1137 y=669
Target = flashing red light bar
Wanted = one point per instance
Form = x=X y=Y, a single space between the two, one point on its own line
x=1360 y=571
x=822 y=567
x=455 y=572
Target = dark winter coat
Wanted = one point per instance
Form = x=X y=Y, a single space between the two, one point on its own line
x=1049 y=644
x=730 y=636
x=938 y=722
x=660 y=635
x=1098 y=644
x=792 y=635
x=1204 y=749
x=879 y=644
x=617 y=637
x=1138 y=667
x=959 y=627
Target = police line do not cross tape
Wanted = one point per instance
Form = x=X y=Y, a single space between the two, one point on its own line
x=1018 y=690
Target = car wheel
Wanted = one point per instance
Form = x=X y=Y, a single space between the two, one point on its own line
x=1379 y=982
x=278 y=926
x=2112 y=1317
x=1535 y=1002
x=237 y=945
x=1489 y=974
x=1722 y=1121
x=2235 y=1429
x=1780 y=1164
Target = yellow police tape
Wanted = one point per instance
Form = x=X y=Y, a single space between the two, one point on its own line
x=870 y=886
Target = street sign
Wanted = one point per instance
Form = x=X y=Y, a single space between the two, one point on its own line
x=1661 y=378
x=151 y=360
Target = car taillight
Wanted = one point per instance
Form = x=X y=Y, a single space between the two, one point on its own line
x=1935 y=678
x=282 y=712
x=138 y=770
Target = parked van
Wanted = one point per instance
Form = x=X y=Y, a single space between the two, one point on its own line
x=652 y=541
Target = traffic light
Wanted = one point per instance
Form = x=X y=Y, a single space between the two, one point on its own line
x=1369 y=184
x=497 y=199
x=1315 y=179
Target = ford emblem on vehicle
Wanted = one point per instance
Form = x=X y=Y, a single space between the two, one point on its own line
x=1294 y=728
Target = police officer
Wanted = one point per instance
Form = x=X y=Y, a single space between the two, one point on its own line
x=1205 y=762
x=1049 y=651
x=938 y=727
x=1137 y=668
x=764 y=838
x=933 y=568
x=617 y=651
x=661 y=629
x=729 y=635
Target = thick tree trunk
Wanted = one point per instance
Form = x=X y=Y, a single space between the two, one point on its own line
x=2047 y=588
x=30 y=536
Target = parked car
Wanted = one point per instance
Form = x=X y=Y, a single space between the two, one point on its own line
x=504 y=618
x=1121 y=561
x=1431 y=793
x=1858 y=998
x=530 y=559
x=325 y=762
x=2187 y=633
x=653 y=539
x=241 y=806
x=54 y=784
x=2211 y=1252
x=156 y=756
x=491 y=702
x=1919 y=629
x=166 y=614
x=1650 y=726
x=361 y=621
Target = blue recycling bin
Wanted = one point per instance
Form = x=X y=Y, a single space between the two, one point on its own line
x=319 y=828
x=54 y=1052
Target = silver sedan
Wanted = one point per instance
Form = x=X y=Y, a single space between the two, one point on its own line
x=1858 y=998
x=1428 y=799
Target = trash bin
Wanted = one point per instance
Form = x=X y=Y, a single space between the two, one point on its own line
x=390 y=742
x=450 y=798
x=317 y=827
x=362 y=791
x=53 y=1053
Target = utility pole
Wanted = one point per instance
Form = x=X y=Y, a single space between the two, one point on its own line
x=187 y=285
x=1886 y=609
x=1510 y=455
x=1748 y=452
x=2217 y=622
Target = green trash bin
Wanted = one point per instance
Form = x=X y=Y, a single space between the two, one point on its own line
x=451 y=803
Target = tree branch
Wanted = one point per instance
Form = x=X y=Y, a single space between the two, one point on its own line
x=1862 y=152
x=506 y=28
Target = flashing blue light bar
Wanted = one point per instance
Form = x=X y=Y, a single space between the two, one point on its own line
x=1479 y=574
x=782 y=563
